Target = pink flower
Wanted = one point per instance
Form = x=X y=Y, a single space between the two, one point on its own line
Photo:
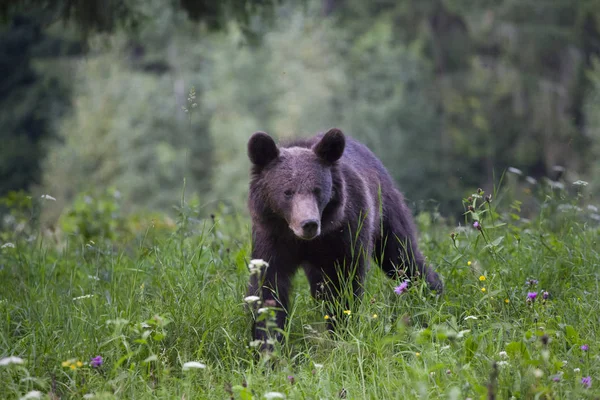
x=477 y=225
x=402 y=288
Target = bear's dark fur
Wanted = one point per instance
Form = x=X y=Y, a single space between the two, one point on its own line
x=326 y=204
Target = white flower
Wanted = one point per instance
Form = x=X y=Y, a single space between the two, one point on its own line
x=8 y=246
x=34 y=394
x=538 y=373
x=262 y=310
x=580 y=183
x=470 y=317
x=318 y=366
x=193 y=364
x=577 y=370
x=89 y=396
x=256 y=343
x=48 y=197
x=515 y=171
x=462 y=333
x=502 y=363
x=531 y=180
x=86 y=296
x=10 y=360
x=503 y=354
x=251 y=299
x=274 y=395
x=258 y=263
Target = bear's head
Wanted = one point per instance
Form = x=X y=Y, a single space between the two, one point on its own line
x=295 y=183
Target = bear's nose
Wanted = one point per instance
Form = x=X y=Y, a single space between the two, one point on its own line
x=310 y=227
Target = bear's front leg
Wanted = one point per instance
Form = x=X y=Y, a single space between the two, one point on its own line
x=272 y=284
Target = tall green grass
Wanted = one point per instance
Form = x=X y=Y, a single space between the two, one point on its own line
x=151 y=302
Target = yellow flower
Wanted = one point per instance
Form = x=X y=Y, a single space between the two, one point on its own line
x=72 y=366
x=65 y=363
x=347 y=312
x=417 y=354
x=374 y=315
x=469 y=263
x=326 y=317
x=79 y=364
x=506 y=301
x=482 y=278
x=483 y=289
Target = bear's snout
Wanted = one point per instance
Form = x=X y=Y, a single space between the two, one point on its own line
x=305 y=220
x=310 y=228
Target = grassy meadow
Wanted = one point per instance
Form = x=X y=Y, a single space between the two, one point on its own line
x=112 y=306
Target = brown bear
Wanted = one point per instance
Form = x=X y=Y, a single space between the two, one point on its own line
x=327 y=204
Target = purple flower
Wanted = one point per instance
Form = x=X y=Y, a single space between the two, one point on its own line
x=556 y=378
x=476 y=225
x=584 y=347
x=402 y=288
x=96 y=362
x=531 y=296
x=545 y=295
x=587 y=381
x=532 y=282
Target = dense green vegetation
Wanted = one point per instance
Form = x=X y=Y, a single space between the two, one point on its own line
x=518 y=317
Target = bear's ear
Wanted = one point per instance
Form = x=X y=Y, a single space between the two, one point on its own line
x=331 y=146
x=262 y=149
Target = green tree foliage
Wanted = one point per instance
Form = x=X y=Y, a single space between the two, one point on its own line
x=30 y=100
x=135 y=124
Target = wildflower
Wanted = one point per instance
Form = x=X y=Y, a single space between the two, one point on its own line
x=586 y=381
x=482 y=278
x=10 y=360
x=374 y=316
x=580 y=183
x=326 y=317
x=47 y=197
x=476 y=225
x=584 y=347
x=291 y=379
x=545 y=295
x=251 y=299
x=347 y=312
x=96 y=362
x=515 y=171
x=256 y=265
x=470 y=317
x=506 y=301
x=577 y=370
x=34 y=394
x=469 y=263
x=503 y=354
x=556 y=378
x=262 y=310
x=193 y=364
x=502 y=363
x=318 y=366
x=7 y=246
x=531 y=296
x=402 y=288
x=417 y=354
x=488 y=198
x=256 y=343
x=538 y=373
x=480 y=191
x=531 y=282
x=483 y=289
x=531 y=180
x=274 y=395
x=86 y=296
x=79 y=364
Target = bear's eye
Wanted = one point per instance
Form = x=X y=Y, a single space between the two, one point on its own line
x=317 y=191
x=288 y=193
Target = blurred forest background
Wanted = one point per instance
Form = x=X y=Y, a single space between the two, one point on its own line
x=138 y=95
